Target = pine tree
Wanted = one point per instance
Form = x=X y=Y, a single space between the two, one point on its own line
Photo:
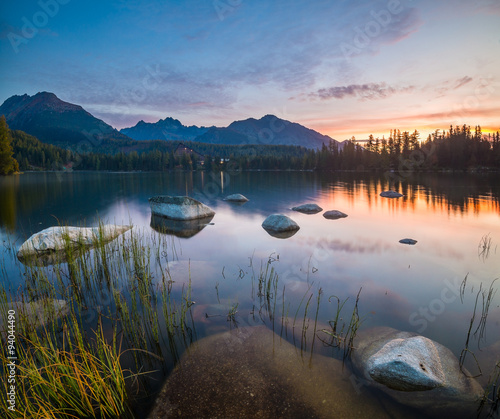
x=8 y=164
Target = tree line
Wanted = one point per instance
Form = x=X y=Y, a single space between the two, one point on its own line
x=459 y=148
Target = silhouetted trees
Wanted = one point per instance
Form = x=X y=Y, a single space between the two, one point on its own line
x=8 y=164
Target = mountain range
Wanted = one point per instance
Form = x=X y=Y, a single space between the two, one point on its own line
x=56 y=122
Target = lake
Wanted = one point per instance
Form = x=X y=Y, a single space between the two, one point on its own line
x=454 y=217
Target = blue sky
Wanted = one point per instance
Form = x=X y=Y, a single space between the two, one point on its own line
x=341 y=67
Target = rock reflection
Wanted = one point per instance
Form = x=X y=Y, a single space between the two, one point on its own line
x=182 y=229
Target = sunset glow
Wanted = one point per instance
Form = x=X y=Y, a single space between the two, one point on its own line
x=344 y=69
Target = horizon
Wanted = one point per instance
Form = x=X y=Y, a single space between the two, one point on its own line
x=375 y=66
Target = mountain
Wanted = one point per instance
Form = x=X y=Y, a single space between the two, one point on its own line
x=53 y=121
x=165 y=129
x=268 y=130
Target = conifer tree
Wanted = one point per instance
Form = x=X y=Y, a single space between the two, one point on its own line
x=8 y=164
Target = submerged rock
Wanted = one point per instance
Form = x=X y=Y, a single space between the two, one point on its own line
x=251 y=372
x=179 y=208
x=237 y=197
x=47 y=246
x=408 y=241
x=182 y=229
x=280 y=226
x=35 y=313
x=308 y=208
x=416 y=371
x=391 y=194
x=334 y=215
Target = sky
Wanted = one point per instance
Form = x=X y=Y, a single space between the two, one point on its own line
x=343 y=68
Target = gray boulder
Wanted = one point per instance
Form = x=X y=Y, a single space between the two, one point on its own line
x=408 y=241
x=334 y=215
x=416 y=371
x=251 y=372
x=391 y=194
x=179 y=208
x=308 y=208
x=237 y=197
x=45 y=245
x=280 y=226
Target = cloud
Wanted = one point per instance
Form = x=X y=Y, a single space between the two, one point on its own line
x=369 y=91
x=462 y=81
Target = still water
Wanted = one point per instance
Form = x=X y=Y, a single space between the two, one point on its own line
x=412 y=288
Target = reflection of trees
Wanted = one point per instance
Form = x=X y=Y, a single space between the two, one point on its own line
x=451 y=192
x=75 y=197
x=8 y=187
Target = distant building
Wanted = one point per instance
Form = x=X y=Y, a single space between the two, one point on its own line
x=182 y=149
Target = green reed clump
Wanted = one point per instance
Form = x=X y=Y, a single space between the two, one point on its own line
x=341 y=335
x=66 y=375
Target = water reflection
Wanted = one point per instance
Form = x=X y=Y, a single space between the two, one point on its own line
x=182 y=229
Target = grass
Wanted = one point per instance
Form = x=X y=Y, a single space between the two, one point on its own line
x=76 y=366
x=341 y=335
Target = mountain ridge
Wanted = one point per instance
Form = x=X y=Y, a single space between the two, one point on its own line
x=65 y=124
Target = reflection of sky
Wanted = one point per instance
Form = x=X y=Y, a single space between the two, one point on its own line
x=340 y=256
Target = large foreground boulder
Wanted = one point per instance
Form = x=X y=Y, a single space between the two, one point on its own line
x=47 y=246
x=181 y=208
x=417 y=372
x=280 y=226
x=308 y=208
x=251 y=372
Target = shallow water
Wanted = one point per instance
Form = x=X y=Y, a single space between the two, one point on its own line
x=414 y=288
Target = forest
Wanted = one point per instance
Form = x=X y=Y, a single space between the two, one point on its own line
x=458 y=148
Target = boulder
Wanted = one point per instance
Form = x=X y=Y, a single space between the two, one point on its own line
x=391 y=194
x=237 y=197
x=179 y=208
x=46 y=247
x=280 y=226
x=308 y=208
x=417 y=372
x=251 y=372
x=182 y=229
x=408 y=241
x=334 y=215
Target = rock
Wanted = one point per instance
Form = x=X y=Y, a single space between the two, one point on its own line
x=408 y=241
x=334 y=215
x=280 y=226
x=179 y=208
x=391 y=194
x=416 y=371
x=46 y=247
x=35 y=313
x=308 y=208
x=251 y=372
x=237 y=197
x=182 y=229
